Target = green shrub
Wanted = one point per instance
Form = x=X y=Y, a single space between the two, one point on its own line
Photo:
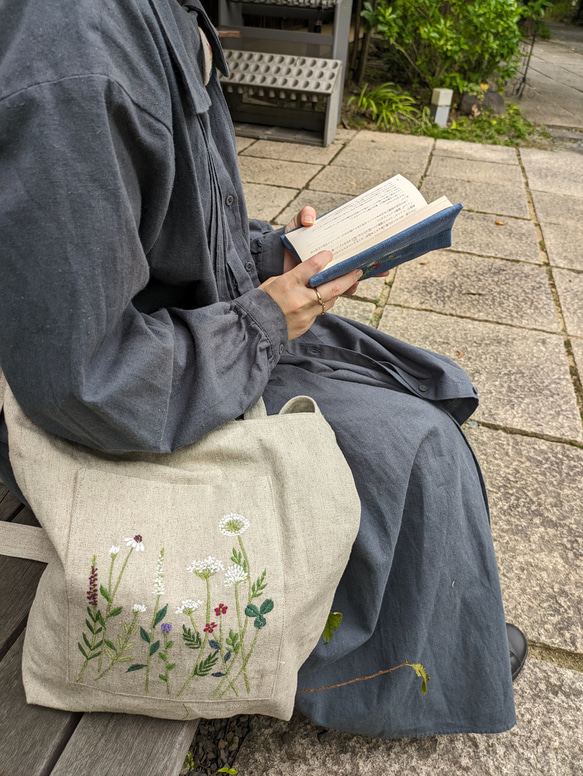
x=387 y=104
x=457 y=44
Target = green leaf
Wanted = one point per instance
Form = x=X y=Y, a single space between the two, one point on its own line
x=162 y=677
x=136 y=667
x=96 y=654
x=160 y=615
x=119 y=641
x=124 y=659
x=191 y=639
x=266 y=606
x=259 y=586
x=90 y=613
x=105 y=593
x=111 y=645
x=251 y=610
x=171 y=666
x=87 y=642
x=124 y=627
x=162 y=655
x=144 y=635
x=111 y=655
x=99 y=618
x=169 y=645
x=116 y=611
x=332 y=625
x=205 y=666
x=260 y=621
x=154 y=648
x=90 y=627
x=82 y=651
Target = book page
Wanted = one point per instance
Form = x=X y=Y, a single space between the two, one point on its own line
x=359 y=223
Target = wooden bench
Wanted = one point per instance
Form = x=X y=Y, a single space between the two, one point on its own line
x=36 y=741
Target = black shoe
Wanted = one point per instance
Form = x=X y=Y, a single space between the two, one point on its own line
x=518 y=649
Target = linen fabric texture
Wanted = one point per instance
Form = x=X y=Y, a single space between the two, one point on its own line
x=147 y=331
x=186 y=585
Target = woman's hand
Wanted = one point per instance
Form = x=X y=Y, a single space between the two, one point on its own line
x=300 y=303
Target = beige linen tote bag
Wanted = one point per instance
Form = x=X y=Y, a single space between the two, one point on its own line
x=193 y=584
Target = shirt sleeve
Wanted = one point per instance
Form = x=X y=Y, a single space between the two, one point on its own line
x=81 y=165
x=266 y=249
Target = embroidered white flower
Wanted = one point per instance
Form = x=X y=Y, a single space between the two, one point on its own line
x=114 y=551
x=206 y=568
x=234 y=575
x=135 y=543
x=159 y=578
x=138 y=608
x=233 y=524
x=189 y=606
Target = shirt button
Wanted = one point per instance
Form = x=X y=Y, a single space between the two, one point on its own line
x=249 y=266
x=281 y=349
x=229 y=200
x=423 y=388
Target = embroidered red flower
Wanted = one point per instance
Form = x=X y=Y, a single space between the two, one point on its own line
x=221 y=609
x=209 y=627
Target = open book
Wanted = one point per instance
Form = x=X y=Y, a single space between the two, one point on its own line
x=386 y=226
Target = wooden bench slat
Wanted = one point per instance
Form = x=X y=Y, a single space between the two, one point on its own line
x=9 y=504
x=31 y=737
x=18 y=581
x=124 y=745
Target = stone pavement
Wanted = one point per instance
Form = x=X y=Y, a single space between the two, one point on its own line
x=506 y=303
x=554 y=91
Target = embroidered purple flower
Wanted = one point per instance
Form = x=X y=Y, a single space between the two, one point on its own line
x=166 y=627
x=221 y=609
x=209 y=627
x=135 y=543
x=92 y=592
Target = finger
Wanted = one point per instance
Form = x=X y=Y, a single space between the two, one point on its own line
x=341 y=285
x=307 y=216
x=306 y=269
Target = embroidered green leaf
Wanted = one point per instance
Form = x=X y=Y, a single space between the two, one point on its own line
x=332 y=625
x=260 y=621
x=99 y=618
x=105 y=593
x=205 y=666
x=94 y=655
x=171 y=666
x=191 y=639
x=145 y=635
x=227 y=656
x=233 y=641
x=90 y=627
x=99 y=644
x=82 y=650
x=91 y=614
x=169 y=645
x=162 y=655
x=160 y=615
x=218 y=673
x=259 y=586
x=116 y=611
x=110 y=654
x=162 y=677
x=119 y=642
x=125 y=627
x=214 y=644
x=136 y=667
x=266 y=606
x=87 y=642
x=124 y=659
x=154 y=647
x=251 y=610
x=237 y=558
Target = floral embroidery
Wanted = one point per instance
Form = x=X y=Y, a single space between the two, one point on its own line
x=219 y=649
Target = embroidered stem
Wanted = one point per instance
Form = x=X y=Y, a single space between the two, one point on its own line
x=150 y=634
x=129 y=633
x=244 y=666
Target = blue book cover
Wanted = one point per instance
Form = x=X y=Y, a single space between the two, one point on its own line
x=431 y=234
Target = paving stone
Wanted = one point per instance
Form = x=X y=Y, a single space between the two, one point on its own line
x=294 y=152
x=547 y=741
x=479 y=233
x=472 y=286
x=577 y=345
x=481 y=172
x=322 y=201
x=265 y=202
x=354 y=309
x=372 y=288
x=570 y=289
x=536 y=501
x=243 y=143
x=475 y=151
x=289 y=174
x=355 y=180
x=484 y=197
x=390 y=140
x=345 y=135
x=522 y=376
x=373 y=156
x=557 y=173
x=564 y=244
x=557 y=209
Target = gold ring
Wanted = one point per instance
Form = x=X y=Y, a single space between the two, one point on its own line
x=320 y=300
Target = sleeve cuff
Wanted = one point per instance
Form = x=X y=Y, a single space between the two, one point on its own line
x=268 y=317
x=267 y=249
